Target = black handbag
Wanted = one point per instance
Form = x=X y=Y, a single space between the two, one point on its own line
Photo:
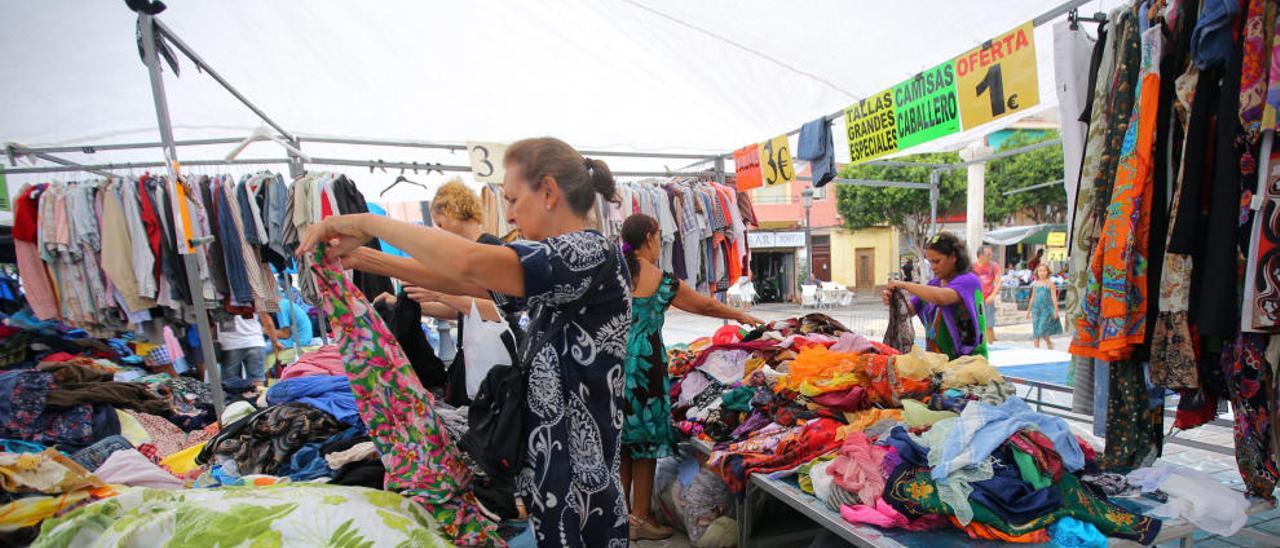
x=496 y=439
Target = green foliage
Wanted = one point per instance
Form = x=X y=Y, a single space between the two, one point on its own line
x=906 y=209
x=1043 y=165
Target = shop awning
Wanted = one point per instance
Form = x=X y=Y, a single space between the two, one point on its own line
x=1028 y=234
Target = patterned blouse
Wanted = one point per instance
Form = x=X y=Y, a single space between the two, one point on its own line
x=575 y=398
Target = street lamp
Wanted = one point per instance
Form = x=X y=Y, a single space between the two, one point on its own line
x=806 y=199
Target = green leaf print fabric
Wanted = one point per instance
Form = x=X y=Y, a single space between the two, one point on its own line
x=302 y=514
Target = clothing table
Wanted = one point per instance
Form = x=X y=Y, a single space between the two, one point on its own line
x=785 y=490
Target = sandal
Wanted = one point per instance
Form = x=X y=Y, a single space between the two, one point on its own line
x=643 y=529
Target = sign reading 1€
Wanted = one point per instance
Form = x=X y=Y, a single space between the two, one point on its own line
x=991 y=81
x=999 y=77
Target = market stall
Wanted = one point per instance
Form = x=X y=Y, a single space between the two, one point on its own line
x=801 y=410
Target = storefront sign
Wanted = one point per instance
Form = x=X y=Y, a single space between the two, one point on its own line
x=746 y=162
x=989 y=82
x=870 y=127
x=926 y=106
x=486 y=161
x=775 y=161
x=758 y=240
x=998 y=78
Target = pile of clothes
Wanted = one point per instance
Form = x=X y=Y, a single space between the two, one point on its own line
x=913 y=441
x=85 y=419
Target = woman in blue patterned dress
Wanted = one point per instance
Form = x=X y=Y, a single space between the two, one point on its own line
x=573 y=414
x=647 y=433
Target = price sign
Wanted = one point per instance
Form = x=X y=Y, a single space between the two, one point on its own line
x=998 y=78
x=1056 y=239
x=486 y=160
x=1056 y=254
x=871 y=128
x=775 y=161
x=925 y=106
x=746 y=167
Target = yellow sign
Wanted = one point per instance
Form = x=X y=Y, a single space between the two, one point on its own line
x=486 y=161
x=1056 y=254
x=1056 y=239
x=998 y=78
x=775 y=161
x=870 y=127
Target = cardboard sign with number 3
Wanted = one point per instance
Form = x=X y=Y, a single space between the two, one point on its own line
x=486 y=160
x=998 y=78
x=775 y=161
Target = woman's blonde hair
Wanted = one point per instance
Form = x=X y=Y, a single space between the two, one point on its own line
x=456 y=201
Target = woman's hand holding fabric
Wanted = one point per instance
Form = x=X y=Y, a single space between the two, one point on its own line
x=342 y=233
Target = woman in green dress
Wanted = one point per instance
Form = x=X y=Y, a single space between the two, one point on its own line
x=647 y=434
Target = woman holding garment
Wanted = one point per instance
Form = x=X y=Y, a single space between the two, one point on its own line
x=950 y=305
x=573 y=411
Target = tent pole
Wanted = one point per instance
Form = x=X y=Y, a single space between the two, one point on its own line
x=164 y=31
x=935 y=179
x=212 y=370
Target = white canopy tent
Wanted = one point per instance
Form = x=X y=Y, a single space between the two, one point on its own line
x=639 y=75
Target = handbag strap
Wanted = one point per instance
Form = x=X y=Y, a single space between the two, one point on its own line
x=562 y=319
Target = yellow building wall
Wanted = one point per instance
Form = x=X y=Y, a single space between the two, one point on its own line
x=843 y=259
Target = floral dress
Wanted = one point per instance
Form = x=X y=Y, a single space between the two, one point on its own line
x=1044 y=321
x=422 y=462
x=573 y=417
x=647 y=431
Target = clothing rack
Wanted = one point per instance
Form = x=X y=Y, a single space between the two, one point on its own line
x=1075 y=19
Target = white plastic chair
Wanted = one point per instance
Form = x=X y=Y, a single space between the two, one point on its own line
x=734 y=295
x=809 y=295
x=846 y=298
x=749 y=294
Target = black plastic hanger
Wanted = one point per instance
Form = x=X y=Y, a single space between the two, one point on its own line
x=402 y=179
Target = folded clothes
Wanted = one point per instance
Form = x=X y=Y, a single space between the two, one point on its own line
x=325 y=360
x=981 y=428
x=48 y=472
x=912 y=491
x=856 y=467
x=330 y=393
x=129 y=467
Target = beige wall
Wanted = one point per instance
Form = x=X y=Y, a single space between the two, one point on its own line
x=843 y=243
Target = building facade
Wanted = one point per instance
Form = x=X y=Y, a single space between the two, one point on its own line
x=857 y=259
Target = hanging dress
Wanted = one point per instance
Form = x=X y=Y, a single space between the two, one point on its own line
x=646 y=430
x=1114 y=308
x=421 y=462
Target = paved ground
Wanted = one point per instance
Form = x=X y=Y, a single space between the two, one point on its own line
x=1013 y=343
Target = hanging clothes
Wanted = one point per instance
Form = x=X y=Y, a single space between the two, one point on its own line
x=1114 y=308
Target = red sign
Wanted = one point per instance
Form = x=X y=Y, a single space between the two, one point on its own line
x=746 y=161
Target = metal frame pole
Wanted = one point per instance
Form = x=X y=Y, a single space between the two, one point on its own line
x=935 y=180
x=212 y=370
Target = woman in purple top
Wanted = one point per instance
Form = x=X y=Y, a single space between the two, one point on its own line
x=950 y=305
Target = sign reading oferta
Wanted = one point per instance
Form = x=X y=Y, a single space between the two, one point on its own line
x=991 y=81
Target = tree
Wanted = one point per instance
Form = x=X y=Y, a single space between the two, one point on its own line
x=906 y=209
x=1043 y=205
